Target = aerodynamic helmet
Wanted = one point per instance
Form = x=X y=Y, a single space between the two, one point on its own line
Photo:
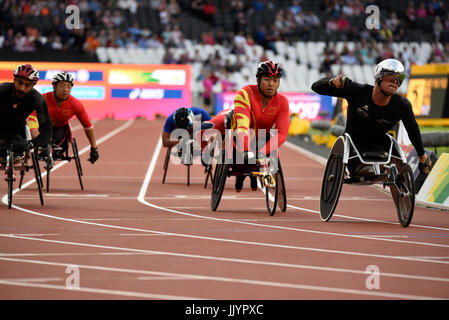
x=62 y=76
x=389 y=67
x=270 y=69
x=183 y=118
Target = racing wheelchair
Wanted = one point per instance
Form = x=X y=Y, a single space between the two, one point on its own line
x=185 y=151
x=351 y=165
x=11 y=161
x=268 y=170
x=55 y=152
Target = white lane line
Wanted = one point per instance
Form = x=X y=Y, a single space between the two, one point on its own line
x=101 y=291
x=351 y=253
x=147 y=179
x=235 y=280
x=234 y=260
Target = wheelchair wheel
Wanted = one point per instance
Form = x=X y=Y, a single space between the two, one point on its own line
x=10 y=164
x=79 y=169
x=403 y=193
x=166 y=161
x=332 y=180
x=271 y=192
x=37 y=175
x=282 y=194
x=219 y=181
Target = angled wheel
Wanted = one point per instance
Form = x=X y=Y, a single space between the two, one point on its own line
x=37 y=175
x=271 y=191
x=403 y=193
x=282 y=194
x=10 y=175
x=332 y=180
x=219 y=181
x=76 y=156
x=166 y=161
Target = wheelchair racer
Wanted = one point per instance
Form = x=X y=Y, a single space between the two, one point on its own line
x=18 y=100
x=373 y=111
x=258 y=107
x=62 y=106
x=183 y=118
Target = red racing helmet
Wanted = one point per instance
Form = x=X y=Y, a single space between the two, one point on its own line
x=28 y=72
x=269 y=69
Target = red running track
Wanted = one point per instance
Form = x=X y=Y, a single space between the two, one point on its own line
x=128 y=236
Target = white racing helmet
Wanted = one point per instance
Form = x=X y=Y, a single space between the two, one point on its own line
x=389 y=67
x=62 y=76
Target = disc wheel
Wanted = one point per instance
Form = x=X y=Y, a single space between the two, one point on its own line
x=403 y=193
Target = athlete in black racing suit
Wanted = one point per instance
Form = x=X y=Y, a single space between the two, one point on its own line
x=17 y=101
x=373 y=111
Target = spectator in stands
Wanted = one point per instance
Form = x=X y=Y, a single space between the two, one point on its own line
x=91 y=43
x=154 y=42
x=437 y=27
x=349 y=58
x=410 y=15
x=209 y=10
x=393 y=22
x=295 y=8
x=226 y=83
x=343 y=26
x=130 y=5
x=437 y=55
x=331 y=26
x=325 y=66
x=208 y=83
x=421 y=12
x=312 y=19
x=106 y=19
x=357 y=8
x=8 y=42
x=168 y=57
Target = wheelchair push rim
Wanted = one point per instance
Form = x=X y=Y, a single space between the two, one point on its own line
x=332 y=180
x=282 y=194
x=10 y=163
x=403 y=193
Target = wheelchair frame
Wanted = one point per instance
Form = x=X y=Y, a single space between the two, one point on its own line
x=398 y=176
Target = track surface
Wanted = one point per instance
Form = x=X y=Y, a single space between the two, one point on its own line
x=128 y=236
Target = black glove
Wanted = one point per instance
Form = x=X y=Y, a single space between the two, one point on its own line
x=425 y=167
x=28 y=145
x=93 y=155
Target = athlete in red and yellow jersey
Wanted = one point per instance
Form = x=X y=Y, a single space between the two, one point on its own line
x=62 y=107
x=261 y=107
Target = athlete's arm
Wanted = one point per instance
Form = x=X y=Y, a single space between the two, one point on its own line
x=241 y=120
x=338 y=86
x=43 y=118
x=410 y=124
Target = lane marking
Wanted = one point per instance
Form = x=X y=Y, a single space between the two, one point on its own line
x=235 y=280
x=102 y=291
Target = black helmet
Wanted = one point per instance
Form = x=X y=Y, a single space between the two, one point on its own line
x=183 y=118
x=270 y=69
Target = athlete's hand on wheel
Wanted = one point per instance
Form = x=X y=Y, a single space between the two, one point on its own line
x=424 y=167
x=93 y=155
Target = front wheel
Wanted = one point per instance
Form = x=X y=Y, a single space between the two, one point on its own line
x=332 y=180
x=403 y=193
x=219 y=181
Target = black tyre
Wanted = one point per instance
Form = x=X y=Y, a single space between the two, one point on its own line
x=76 y=156
x=403 y=193
x=37 y=175
x=219 y=181
x=10 y=164
x=282 y=193
x=271 y=192
x=332 y=180
x=166 y=161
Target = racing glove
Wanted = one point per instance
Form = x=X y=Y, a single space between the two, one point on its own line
x=425 y=167
x=93 y=155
